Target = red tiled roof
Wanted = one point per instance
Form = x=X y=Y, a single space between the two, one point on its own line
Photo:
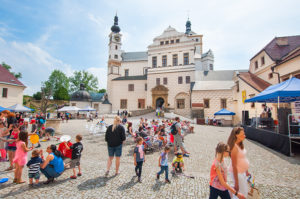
x=254 y=81
x=7 y=78
x=277 y=52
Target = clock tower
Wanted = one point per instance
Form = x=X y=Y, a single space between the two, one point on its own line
x=114 y=56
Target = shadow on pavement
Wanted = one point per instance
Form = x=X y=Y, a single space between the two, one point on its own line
x=128 y=185
x=94 y=183
x=157 y=186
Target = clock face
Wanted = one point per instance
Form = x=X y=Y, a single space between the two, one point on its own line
x=117 y=38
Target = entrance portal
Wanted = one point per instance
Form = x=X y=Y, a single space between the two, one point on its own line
x=159 y=102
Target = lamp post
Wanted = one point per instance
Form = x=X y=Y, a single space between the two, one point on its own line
x=278 y=75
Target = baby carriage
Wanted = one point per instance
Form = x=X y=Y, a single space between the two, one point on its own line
x=148 y=146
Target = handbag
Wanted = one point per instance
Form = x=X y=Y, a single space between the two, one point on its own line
x=253 y=193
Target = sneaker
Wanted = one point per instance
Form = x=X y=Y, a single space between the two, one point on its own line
x=168 y=181
x=30 y=185
x=106 y=173
x=38 y=146
x=157 y=176
x=79 y=174
x=186 y=155
x=73 y=177
x=139 y=180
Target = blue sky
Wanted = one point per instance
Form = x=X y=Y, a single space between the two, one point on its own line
x=37 y=37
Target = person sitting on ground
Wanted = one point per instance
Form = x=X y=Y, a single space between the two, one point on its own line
x=77 y=149
x=178 y=163
x=141 y=132
x=53 y=166
x=129 y=129
x=34 y=165
x=49 y=131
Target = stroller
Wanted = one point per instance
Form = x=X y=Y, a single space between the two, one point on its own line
x=148 y=146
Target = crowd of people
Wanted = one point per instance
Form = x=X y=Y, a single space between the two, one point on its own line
x=161 y=132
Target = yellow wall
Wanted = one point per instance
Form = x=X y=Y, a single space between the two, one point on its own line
x=14 y=95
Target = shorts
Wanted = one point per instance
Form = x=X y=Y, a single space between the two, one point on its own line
x=75 y=162
x=11 y=148
x=178 y=141
x=34 y=175
x=115 y=151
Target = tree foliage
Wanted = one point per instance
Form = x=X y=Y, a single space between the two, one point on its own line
x=103 y=90
x=8 y=67
x=89 y=80
x=37 y=95
x=58 y=84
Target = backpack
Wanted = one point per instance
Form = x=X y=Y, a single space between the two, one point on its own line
x=174 y=129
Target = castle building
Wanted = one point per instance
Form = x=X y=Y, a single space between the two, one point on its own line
x=162 y=76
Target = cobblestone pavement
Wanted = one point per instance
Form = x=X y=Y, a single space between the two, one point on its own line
x=277 y=176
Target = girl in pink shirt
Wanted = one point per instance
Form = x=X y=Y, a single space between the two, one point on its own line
x=20 y=158
x=12 y=144
x=218 y=175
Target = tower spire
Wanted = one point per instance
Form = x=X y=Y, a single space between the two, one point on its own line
x=188 y=26
x=115 y=28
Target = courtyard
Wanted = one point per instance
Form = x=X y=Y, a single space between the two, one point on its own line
x=276 y=175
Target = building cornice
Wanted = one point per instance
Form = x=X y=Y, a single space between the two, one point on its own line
x=12 y=84
x=171 y=69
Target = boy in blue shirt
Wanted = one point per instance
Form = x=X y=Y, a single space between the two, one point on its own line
x=163 y=164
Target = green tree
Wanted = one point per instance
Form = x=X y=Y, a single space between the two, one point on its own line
x=61 y=94
x=8 y=67
x=103 y=90
x=89 y=80
x=37 y=95
x=58 y=83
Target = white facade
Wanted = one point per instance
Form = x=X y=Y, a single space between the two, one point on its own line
x=139 y=80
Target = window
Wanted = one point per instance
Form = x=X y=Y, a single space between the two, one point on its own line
x=252 y=104
x=180 y=103
x=270 y=75
x=223 y=103
x=126 y=72
x=237 y=86
x=116 y=56
x=165 y=80
x=256 y=65
x=141 y=103
x=164 y=60
x=161 y=43
x=211 y=67
x=187 y=79
x=167 y=42
x=262 y=60
x=197 y=39
x=123 y=104
x=206 y=103
x=175 y=60
x=130 y=87
x=186 y=59
x=4 y=92
x=145 y=87
x=73 y=104
x=154 y=62
x=172 y=41
x=177 y=40
x=157 y=81
x=116 y=47
x=145 y=71
x=180 y=80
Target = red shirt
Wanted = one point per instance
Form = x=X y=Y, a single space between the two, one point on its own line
x=14 y=135
x=62 y=148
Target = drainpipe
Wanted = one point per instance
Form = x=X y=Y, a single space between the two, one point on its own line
x=278 y=75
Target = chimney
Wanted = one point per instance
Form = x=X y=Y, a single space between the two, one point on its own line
x=282 y=41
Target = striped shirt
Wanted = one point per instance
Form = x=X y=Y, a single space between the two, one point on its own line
x=34 y=165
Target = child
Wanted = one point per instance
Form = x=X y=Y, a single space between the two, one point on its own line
x=66 y=152
x=163 y=164
x=139 y=157
x=77 y=148
x=218 y=175
x=12 y=144
x=3 y=132
x=34 y=165
x=34 y=130
x=178 y=163
x=20 y=156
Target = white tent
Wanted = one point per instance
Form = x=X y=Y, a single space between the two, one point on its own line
x=69 y=109
x=19 y=108
x=88 y=108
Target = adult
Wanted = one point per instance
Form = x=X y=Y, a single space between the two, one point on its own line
x=239 y=162
x=53 y=166
x=178 y=138
x=266 y=111
x=114 y=136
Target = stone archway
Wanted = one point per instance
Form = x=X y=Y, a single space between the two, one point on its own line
x=160 y=92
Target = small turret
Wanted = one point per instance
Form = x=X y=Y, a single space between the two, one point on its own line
x=188 y=27
x=115 y=28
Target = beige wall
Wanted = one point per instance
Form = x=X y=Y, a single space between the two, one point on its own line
x=214 y=97
x=14 y=95
x=121 y=92
x=268 y=62
x=289 y=68
x=186 y=112
x=134 y=67
x=173 y=86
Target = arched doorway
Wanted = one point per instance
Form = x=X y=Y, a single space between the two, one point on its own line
x=160 y=102
x=159 y=96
